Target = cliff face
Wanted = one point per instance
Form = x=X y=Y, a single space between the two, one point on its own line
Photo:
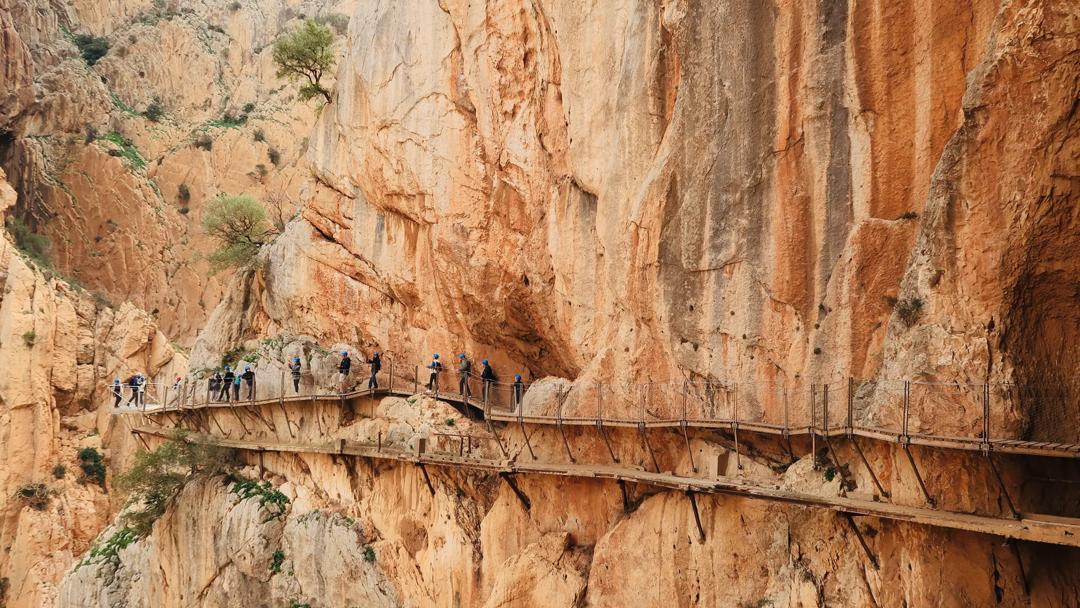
x=770 y=193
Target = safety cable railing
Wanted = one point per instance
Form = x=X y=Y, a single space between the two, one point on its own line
x=971 y=414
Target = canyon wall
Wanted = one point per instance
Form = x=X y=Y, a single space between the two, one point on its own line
x=774 y=194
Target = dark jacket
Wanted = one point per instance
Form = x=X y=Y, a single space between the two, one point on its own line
x=376 y=363
x=228 y=378
x=487 y=374
x=295 y=369
x=249 y=376
x=465 y=368
x=344 y=366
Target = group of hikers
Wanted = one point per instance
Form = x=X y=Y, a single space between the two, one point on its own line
x=225 y=384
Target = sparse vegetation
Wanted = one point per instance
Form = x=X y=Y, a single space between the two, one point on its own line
x=35 y=246
x=249 y=107
x=276 y=560
x=261 y=171
x=59 y=471
x=269 y=497
x=908 y=215
x=909 y=310
x=157 y=476
x=369 y=554
x=239 y=225
x=35 y=495
x=109 y=549
x=29 y=338
x=92 y=465
x=125 y=149
x=234 y=6
x=183 y=192
x=154 y=112
x=297 y=604
x=274 y=155
x=306 y=55
x=91 y=134
x=92 y=48
x=450 y=422
x=203 y=141
x=259 y=135
x=339 y=22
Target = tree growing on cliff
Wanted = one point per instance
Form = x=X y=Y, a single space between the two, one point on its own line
x=306 y=55
x=239 y=225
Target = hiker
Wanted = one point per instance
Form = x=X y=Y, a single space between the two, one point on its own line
x=226 y=384
x=133 y=384
x=376 y=364
x=294 y=369
x=487 y=375
x=214 y=385
x=236 y=387
x=435 y=366
x=464 y=369
x=249 y=378
x=118 y=392
x=343 y=369
x=518 y=390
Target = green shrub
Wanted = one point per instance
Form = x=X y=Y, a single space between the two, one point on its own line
x=909 y=310
x=125 y=149
x=155 y=477
x=92 y=48
x=183 y=193
x=203 y=141
x=29 y=338
x=275 y=156
x=59 y=471
x=270 y=498
x=249 y=107
x=276 y=560
x=34 y=245
x=305 y=55
x=92 y=465
x=154 y=111
x=35 y=495
x=109 y=550
x=369 y=554
x=239 y=225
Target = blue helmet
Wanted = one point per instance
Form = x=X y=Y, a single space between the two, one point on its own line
x=247 y=368
x=484 y=362
x=517 y=377
x=436 y=356
x=226 y=368
x=344 y=353
x=376 y=353
x=296 y=359
x=116 y=381
x=461 y=356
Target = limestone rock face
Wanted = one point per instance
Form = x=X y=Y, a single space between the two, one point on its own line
x=59 y=347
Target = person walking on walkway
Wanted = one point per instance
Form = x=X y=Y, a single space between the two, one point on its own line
x=249 y=379
x=117 y=391
x=435 y=366
x=487 y=375
x=213 y=386
x=133 y=384
x=236 y=387
x=376 y=364
x=226 y=384
x=343 y=370
x=464 y=370
x=518 y=390
x=294 y=369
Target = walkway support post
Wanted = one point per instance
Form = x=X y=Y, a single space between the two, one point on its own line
x=862 y=541
x=391 y=389
x=986 y=418
x=683 y=424
x=1001 y=486
x=918 y=476
x=509 y=479
x=813 y=425
x=416 y=379
x=600 y=422
x=562 y=431
x=645 y=436
x=697 y=516
x=735 y=425
x=850 y=407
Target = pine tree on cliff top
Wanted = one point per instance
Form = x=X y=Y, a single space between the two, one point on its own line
x=306 y=53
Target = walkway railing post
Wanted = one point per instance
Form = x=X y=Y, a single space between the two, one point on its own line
x=164 y=399
x=907 y=406
x=391 y=376
x=986 y=417
x=281 y=389
x=813 y=424
x=850 y=406
x=825 y=409
x=735 y=423
x=416 y=379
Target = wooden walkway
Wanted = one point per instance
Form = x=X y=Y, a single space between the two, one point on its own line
x=1034 y=528
x=496 y=414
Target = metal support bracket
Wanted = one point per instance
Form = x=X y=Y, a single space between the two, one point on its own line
x=607 y=442
x=918 y=476
x=862 y=541
x=689 y=451
x=862 y=456
x=510 y=481
x=697 y=516
x=427 y=478
x=1001 y=486
x=645 y=440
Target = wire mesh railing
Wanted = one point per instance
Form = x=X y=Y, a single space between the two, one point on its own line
x=904 y=410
